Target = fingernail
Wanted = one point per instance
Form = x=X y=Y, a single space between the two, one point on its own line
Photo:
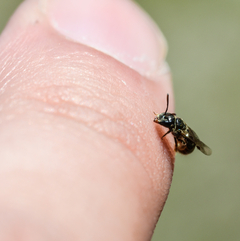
x=118 y=28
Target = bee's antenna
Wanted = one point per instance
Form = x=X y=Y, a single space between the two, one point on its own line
x=167 y=103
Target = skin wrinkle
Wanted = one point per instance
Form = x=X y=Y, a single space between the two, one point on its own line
x=102 y=89
x=34 y=96
x=11 y=66
x=125 y=134
x=128 y=129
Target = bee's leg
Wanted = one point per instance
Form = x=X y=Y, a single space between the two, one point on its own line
x=166 y=134
x=176 y=145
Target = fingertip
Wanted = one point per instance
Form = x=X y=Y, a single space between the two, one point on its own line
x=130 y=100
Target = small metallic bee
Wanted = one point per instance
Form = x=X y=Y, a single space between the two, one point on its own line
x=185 y=138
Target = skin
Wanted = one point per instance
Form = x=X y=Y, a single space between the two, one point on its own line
x=81 y=158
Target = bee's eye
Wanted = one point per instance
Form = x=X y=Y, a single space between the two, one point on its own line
x=165 y=118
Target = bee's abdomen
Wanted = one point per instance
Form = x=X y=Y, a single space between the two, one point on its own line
x=185 y=146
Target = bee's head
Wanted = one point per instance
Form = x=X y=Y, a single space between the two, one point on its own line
x=165 y=119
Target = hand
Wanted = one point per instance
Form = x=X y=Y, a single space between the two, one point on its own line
x=81 y=158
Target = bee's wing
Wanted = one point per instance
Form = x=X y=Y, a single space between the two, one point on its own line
x=200 y=145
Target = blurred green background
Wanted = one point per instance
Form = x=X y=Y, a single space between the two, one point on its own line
x=204 y=56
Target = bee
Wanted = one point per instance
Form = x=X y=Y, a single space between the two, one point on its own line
x=185 y=138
